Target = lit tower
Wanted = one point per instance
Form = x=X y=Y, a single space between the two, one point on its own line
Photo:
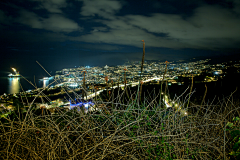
x=106 y=67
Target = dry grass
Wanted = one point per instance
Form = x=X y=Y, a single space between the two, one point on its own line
x=121 y=131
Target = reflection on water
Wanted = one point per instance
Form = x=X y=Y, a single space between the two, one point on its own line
x=45 y=83
x=14 y=85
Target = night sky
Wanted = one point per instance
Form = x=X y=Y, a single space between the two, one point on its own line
x=69 y=33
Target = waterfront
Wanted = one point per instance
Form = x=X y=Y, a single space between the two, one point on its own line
x=19 y=84
x=26 y=68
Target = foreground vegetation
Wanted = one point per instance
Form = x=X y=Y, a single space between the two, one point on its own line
x=133 y=130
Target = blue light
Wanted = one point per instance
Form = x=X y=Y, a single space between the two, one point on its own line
x=216 y=72
x=85 y=103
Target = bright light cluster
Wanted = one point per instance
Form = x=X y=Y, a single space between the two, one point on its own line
x=81 y=103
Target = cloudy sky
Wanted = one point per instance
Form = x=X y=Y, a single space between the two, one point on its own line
x=68 y=33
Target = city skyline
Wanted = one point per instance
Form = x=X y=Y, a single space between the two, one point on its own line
x=61 y=34
x=152 y=70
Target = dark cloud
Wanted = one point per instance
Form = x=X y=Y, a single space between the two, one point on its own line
x=182 y=7
x=102 y=8
x=2 y=16
x=4 y=19
x=60 y=23
x=209 y=24
x=52 y=6
x=98 y=28
x=236 y=6
x=209 y=27
x=55 y=22
x=29 y=18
